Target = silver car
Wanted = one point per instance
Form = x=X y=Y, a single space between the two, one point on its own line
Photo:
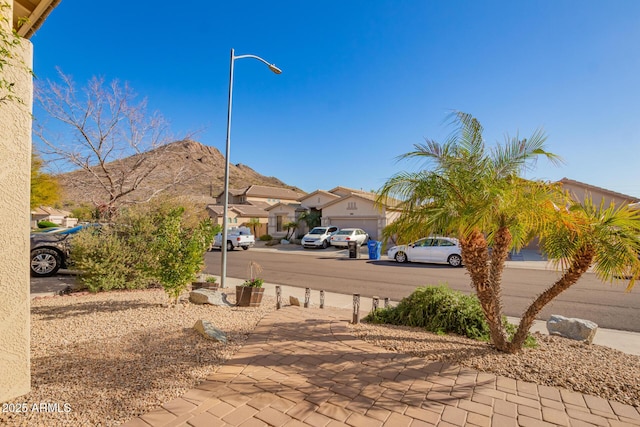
x=429 y=249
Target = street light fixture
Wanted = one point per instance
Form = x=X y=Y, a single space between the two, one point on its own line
x=223 y=243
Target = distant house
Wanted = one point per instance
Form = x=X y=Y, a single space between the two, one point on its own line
x=57 y=216
x=579 y=192
x=343 y=207
x=250 y=203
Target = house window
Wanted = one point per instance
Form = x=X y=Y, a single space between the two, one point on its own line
x=351 y=206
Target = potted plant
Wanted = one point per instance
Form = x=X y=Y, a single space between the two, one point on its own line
x=249 y=294
x=205 y=282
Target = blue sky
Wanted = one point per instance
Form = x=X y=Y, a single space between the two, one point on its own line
x=364 y=80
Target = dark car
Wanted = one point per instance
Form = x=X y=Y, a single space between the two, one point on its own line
x=50 y=251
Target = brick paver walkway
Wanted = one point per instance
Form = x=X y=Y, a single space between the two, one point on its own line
x=302 y=367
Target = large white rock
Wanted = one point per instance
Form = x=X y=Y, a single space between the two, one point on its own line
x=575 y=329
x=209 y=296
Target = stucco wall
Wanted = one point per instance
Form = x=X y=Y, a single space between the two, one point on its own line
x=316 y=200
x=283 y=210
x=15 y=152
x=580 y=193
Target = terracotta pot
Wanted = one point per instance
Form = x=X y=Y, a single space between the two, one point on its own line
x=248 y=297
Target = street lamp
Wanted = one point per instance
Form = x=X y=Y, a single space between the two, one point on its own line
x=223 y=244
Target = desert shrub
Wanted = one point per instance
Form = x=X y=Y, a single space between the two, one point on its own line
x=127 y=253
x=438 y=309
x=266 y=237
x=107 y=261
x=47 y=224
x=441 y=310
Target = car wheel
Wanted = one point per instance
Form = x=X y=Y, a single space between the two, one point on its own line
x=325 y=244
x=229 y=246
x=45 y=262
x=454 y=260
x=244 y=248
x=401 y=257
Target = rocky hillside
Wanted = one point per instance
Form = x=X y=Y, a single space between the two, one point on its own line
x=182 y=167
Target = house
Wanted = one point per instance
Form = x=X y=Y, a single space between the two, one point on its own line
x=579 y=192
x=343 y=207
x=57 y=216
x=251 y=203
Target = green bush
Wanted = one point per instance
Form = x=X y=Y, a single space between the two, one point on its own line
x=266 y=237
x=127 y=254
x=441 y=310
x=107 y=261
x=437 y=309
x=47 y=224
x=180 y=251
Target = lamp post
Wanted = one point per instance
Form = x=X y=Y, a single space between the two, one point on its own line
x=223 y=243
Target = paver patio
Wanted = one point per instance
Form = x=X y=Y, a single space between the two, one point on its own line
x=302 y=367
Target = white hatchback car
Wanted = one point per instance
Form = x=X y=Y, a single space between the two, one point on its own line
x=346 y=235
x=429 y=249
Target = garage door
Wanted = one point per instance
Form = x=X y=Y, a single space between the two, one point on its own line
x=368 y=225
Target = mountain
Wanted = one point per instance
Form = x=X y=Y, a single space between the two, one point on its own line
x=184 y=167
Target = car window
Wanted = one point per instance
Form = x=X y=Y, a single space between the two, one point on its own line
x=318 y=231
x=332 y=229
x=442 y=242
x=343 y=232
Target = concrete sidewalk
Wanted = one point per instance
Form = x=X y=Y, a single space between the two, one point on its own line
x=302 y=367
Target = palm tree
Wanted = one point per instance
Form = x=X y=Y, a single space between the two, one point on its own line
x=478 y=194
x=291 y=228
x=254 y=223
x=586 y=235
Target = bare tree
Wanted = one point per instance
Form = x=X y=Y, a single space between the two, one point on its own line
x=108 y=142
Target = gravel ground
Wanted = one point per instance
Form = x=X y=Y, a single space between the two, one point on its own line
x=103 y=359
x=110 y=357
x=558 y=362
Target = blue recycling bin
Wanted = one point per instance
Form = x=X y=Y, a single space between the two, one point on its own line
x=374 y=249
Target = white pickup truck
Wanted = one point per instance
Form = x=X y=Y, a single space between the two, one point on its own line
x=236 y=237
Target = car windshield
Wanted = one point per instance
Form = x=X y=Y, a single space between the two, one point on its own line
x=318 y=231
x=344 y=232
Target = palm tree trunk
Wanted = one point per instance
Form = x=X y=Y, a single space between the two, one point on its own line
x=501 y=243
x=578 y=267
x=475 y=255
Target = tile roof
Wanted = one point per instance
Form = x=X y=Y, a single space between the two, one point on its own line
x=271 y=192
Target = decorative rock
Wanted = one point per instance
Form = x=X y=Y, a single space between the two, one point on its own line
x=575 y=329
x=210 y=332
x=209 y=296
x=294 y=301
